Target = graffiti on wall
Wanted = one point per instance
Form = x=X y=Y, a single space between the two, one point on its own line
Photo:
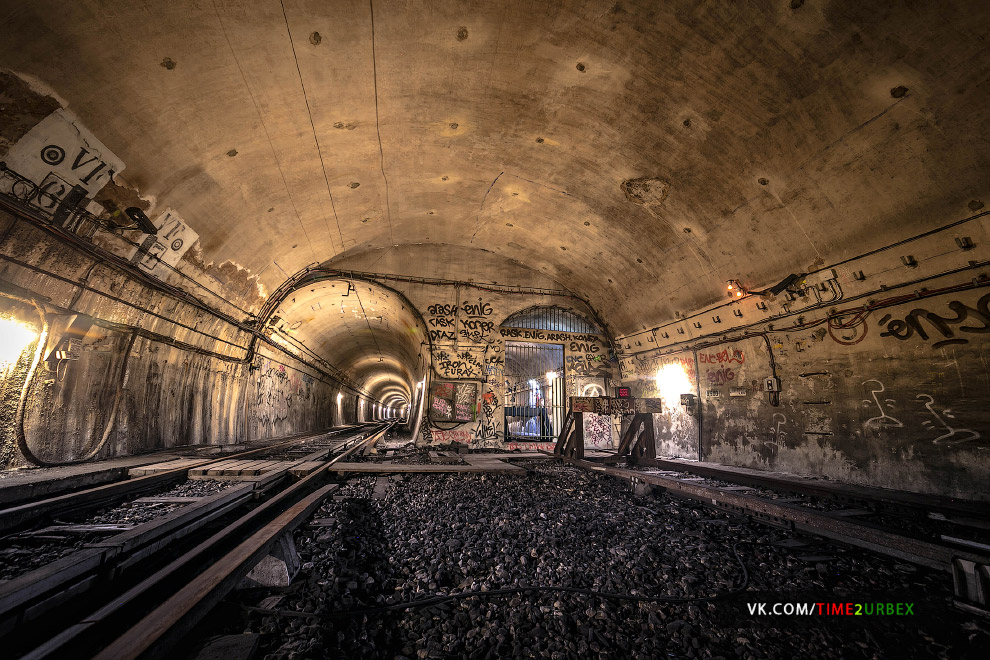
x=777 y=434
x=441 y=437
x=718 y=365
x=647 y=368
x=531 y=446
x=725 y=356
x=544 y=335
x=883 y=420
x=592 y=389
x=489 y=427
x=459 y=364
x=597 y=430
x=938 y=419
x=949 y=435
x=469 y=321
x=720 y=376
x=940 y=327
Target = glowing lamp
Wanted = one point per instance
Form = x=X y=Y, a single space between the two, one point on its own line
x=672 y=381
x=14 y=338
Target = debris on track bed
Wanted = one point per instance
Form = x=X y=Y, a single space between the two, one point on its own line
x=26 y=551
x=563 y=528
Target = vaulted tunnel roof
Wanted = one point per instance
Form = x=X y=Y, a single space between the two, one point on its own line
x=636 y=153
x=369 y=333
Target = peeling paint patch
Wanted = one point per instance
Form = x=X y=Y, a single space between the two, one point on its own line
x=235 y=279
x=21 y=108
x=647 y=191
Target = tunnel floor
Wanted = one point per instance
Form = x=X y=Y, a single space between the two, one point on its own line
x=565 y=528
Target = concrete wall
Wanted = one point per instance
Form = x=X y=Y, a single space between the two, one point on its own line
x=170 y=396
x=900 y=402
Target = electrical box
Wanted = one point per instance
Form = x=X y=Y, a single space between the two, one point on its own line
x=68 y=345
x=690 y=403
x=771 y=384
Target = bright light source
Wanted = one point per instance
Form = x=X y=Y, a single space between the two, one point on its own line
x=738 y=294
x=672 y=382
x=551 y=376
x=730 y=286
x=14 y=338
x=339 y=397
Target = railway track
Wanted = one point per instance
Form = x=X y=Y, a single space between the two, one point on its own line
x=944 y=535
x=109 y=585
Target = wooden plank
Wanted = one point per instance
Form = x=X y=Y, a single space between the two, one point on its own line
x=219 y=465
x=304 y=468
x=251 y=469
x=182 y=463
x=23 y=588
x=493 y=466
x=233 y=468
x=79 y=529
x=61 y=643
x=269 y=466
x=238 y=468
x=851 y=513
x=509 y=454
x=159 y=527
x=204 y=470
x=381 y=486
x=804 y=519
x=16 y=516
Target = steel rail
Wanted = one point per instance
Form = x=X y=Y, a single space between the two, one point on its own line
x=209 y=571
x=951 y=508
x=29 y=596
x=19 y=516
x=800 y=518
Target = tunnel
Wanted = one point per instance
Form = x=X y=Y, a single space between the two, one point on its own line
x=573 y=328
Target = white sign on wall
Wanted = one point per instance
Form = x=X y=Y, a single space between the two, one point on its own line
x=61 y=155
x=173 y=239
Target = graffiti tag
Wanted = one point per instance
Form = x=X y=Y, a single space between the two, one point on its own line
x=951 y=436
x=904 y=329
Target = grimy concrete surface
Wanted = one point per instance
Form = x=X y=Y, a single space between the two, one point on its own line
x=355 y=198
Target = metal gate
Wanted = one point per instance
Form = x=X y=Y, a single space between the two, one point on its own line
x=535 y=400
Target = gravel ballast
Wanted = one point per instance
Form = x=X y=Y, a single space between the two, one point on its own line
x=562 y=527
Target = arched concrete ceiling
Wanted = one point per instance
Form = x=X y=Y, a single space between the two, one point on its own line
x=772 y=134
x=366 y=331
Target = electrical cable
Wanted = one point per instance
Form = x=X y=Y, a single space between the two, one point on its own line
x=511 y=591
x=13 y=204
x=887 y=302
x=774 y=397
x=21 y=411
x=26 y=388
